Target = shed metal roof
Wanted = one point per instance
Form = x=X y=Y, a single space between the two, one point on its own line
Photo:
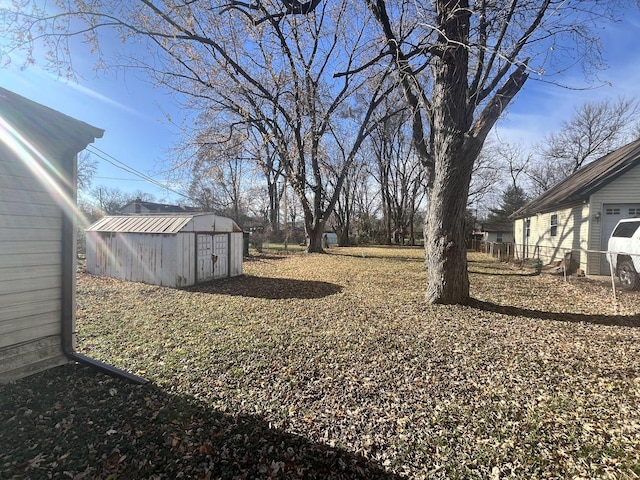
x=141 y=223
x=579 y=186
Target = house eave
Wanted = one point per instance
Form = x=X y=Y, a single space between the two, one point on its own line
x=520 y=214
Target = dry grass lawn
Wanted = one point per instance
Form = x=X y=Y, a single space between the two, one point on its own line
x=332 y=366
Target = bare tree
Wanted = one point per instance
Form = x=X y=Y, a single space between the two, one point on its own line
x=111 y=199
x=365 y=220
x=217 y=177
x=268 y=163
x=267 y=65
x=499 y=168
x=397 y=170
x=87 y=167
x=486 y=175
x=345 y=208
x=459 y=64
x=595 y=129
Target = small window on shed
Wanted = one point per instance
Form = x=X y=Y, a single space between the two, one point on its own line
x=554 y=225
x=499 y=237
x=626 y=229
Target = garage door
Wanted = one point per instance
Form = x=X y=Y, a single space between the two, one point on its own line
x=611 y=214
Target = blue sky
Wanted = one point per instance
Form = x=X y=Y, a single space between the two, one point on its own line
x=130 y=111
x=541 y=108
x=137 y=132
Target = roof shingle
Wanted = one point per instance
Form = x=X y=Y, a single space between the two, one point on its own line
x=579 y=186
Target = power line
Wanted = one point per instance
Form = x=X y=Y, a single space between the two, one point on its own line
x=121 y=179
x=123 y=166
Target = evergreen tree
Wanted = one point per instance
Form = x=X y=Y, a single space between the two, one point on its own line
x=513 y=198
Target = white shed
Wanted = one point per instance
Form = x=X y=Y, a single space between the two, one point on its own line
x=174 y=250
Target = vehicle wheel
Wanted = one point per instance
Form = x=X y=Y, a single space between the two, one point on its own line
x=628 y=276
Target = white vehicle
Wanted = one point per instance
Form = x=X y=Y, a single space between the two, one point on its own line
x=624 y=252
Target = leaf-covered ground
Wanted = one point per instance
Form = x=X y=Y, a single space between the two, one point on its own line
x=332 y=366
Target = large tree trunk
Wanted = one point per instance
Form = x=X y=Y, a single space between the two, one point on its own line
x=314 y=240
x=454 y=137
x=314 y=230
x=446 y=254
x=445 y=251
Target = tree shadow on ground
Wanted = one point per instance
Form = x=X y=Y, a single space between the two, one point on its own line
x=510 y=274
x=264 y=257
x=75 y=422
x=268 y=288
x=503 y=269
x=610 y=320
x=382 y=257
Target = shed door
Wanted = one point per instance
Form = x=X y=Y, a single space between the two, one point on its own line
x=611 y=214
x=221 y=255
x=205 y=257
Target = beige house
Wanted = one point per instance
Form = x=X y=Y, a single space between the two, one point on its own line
x=495 y=232
x=38 y=149
x=578 y=215
x=38 y=172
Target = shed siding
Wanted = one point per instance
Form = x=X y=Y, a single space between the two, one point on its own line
x=237 y=252
x=625 y=189
x=185 y=260
x=210 y=223
x=136 y=257
x=30 y=272
x=572 y=230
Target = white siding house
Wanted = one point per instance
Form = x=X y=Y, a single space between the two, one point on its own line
x=174 y=250
x=38 y=148
x=496 y=232
x=578 y=214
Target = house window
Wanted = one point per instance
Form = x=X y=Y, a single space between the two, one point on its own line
x=554 y=225
x=613 y=211
x=499 y=237
x=634 y=212
x=528 y=227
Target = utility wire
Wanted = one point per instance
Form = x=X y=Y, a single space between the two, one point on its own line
x=123 y=166
x=121 y=179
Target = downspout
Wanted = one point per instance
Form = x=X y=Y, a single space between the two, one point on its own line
x=67 y=307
